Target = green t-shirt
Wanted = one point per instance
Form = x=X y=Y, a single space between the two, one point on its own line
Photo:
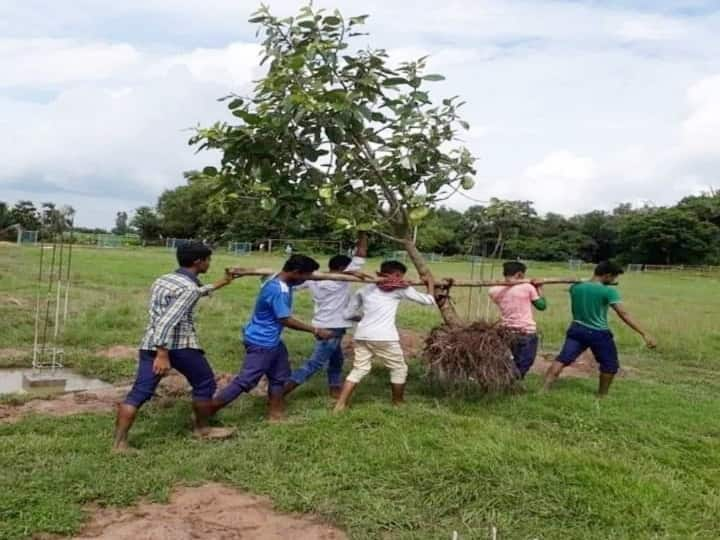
x=590 y=301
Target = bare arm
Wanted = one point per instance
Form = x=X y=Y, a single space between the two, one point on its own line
x=223 y=281
x=320 y=333
x=627 y=319
x=361 y=248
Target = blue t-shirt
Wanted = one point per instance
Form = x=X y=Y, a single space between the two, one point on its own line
x=273 y=303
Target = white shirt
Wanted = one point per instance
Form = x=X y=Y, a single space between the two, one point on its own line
x=331 y=298
x=378 y=309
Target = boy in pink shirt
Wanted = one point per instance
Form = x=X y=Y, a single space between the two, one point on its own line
x=516 y=303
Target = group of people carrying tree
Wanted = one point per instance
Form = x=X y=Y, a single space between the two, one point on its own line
x=170 y=339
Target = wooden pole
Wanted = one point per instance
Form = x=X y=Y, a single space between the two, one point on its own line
x=326 y=276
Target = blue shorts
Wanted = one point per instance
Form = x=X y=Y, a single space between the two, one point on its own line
x=190 y=362
x=524 y=350
x=579 y=338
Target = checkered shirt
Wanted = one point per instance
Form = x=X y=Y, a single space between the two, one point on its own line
x=172 y=300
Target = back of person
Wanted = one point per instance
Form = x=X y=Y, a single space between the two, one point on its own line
x=273 y=303
x=330 y=298
x=590 y=302
x=515 y=305
x=379 y=310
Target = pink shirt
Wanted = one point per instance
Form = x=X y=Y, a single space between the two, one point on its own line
x=515 y=304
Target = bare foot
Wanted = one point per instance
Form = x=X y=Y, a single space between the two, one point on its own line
x=213 y=433
x=335 y=392
x=339 y=408
x=123 y=448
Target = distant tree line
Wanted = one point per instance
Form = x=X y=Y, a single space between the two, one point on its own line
x=686 y=233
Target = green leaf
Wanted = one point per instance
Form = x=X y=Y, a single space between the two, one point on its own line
x=296 y=61
x=236 y=103
x=464 y=124
x=332 y=20
x=467 y=182
x=335 y=134
x=267 y=203
x=417 y=214
x=343 y=222
x=210 y=171
x=394 y=81
x=433 y=77
x=364 y=227
x=358 y=20
x=325 y=192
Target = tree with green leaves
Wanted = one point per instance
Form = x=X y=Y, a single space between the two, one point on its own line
x=340 y=131
x=26 y=215
x=121 y=223
x=147 y=223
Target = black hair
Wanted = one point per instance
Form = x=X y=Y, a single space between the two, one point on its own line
x=300 y=263
x=605 y=268
x=190 y=252
x=339 y=263
x=511 y=268
x=388 y=267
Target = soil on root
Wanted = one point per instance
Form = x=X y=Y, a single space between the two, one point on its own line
x=209 y=511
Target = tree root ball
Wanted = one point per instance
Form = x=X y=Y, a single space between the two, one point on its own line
x=476 y=355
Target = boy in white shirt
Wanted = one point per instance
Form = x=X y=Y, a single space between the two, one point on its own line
x=376 y=334
x=330 y=299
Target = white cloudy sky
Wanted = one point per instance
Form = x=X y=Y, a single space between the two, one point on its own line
x=574 y=104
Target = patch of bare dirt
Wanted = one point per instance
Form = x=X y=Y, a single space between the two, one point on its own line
x=11 y=353
x=11 y=300
x=174 y=385
x=212 y=511
x=584 y=367
x=119 y=352
x=66 y=404
x=412 y=344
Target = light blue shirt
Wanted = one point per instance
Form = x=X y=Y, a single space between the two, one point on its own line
x=273 y=304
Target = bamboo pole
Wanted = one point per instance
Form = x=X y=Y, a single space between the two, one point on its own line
x=443 y=282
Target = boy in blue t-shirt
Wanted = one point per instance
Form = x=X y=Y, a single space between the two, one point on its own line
x=265 y=353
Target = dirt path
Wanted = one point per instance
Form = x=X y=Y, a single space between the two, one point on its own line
x=171 y=388
x=211 y=511
x=66 y=404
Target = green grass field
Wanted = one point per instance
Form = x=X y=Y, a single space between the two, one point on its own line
x=645 y=463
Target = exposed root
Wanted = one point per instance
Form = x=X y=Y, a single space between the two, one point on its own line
x=476 y=355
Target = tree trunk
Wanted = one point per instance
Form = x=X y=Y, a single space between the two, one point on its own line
x=447 y=310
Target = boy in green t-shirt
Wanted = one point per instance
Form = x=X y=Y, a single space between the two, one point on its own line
x=590 y=302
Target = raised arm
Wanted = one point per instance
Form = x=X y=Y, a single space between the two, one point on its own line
x=627 y=319
x=361 y=248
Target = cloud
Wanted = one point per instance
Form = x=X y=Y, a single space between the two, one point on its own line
x=50 y=62
x=576 y=105
x=121 y=138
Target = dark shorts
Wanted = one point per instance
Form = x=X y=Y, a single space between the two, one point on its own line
x=524 y=350
x=272 y=362
x=190 y=362
x=579 y=338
